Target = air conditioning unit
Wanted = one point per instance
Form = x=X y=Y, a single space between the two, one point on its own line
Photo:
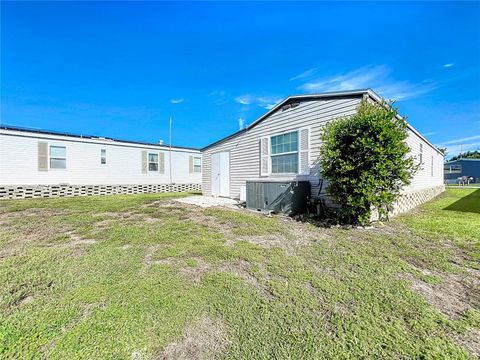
x=288 y=197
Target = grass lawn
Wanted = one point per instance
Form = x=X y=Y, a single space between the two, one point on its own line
x=471 y=185
x=145 y=277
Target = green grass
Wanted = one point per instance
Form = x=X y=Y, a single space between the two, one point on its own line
x=454 y=216
x=473 y=184
x=156 y=268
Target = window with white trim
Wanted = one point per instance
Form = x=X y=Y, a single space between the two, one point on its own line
x=152 y=162
x=197 y=164
x=58 y=157
x=103 y=156
x=284 y=153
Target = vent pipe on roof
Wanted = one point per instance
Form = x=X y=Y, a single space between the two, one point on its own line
x=241 y=123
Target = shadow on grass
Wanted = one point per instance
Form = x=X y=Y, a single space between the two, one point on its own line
x=469 y=203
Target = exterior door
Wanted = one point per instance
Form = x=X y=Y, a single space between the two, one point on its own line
x=221 y=174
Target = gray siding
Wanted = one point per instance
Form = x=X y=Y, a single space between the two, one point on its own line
x=245 y=148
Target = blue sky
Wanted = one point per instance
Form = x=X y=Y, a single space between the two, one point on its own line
x=121 y=69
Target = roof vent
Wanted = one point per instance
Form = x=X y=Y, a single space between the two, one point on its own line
x=290 y=106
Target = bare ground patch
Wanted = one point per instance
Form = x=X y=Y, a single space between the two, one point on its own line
x=470 y=341
x=195 y=268
x=456 y=294
x=23 y=233
x=111 y=218
x=207 y=338
x=192 y=213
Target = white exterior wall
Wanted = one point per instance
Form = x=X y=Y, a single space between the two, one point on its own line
x=424 y=178
x=19 y=162
x=245 y=149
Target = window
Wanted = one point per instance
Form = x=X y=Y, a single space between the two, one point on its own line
x=197 y=165
x=284 y=153
x=58 y=157
x=421 y=154
x=103 y=156
x=152 y=162
x=453 y=169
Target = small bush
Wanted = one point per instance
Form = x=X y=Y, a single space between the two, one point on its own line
x=365 y=160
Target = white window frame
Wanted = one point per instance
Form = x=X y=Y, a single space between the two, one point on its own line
x=103 y=156
x=50 y=157
x=195 y=170
x=151 y=162
x=285 y=153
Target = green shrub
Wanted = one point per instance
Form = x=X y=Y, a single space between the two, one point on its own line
x=365 y=160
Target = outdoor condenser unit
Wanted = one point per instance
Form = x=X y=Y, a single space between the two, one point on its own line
x=288 y=197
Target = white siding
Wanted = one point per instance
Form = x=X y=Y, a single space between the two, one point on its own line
x=423 y=178
x=19 y=165
x=245 y=148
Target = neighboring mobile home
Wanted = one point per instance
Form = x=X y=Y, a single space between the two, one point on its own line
x=462 y=167
x=284 y=144
x=42 y=163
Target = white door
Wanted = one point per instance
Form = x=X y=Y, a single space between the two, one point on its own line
x=221 y=174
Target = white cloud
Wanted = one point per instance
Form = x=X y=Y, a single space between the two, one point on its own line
x=431 y=133
x=448 y=65
x=304 y=74
x=377 y=77
x=177 y=101
x=244 y=99
x=457 y=149
x=266 y=102
x=461 y=140
x=456 y=146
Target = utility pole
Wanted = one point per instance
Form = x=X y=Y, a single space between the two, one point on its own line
x=170 y=153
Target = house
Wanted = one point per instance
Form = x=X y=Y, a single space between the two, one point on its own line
x=283 y=144
x=36 y=163
x=462 y=167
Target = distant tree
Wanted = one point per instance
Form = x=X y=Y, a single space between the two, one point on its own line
x=467 y=155
x=366 y=161
x=443 y=150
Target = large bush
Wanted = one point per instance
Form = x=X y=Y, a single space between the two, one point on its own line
x=365 y=160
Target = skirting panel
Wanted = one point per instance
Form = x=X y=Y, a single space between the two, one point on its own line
x=45 y=191
x=412 y=199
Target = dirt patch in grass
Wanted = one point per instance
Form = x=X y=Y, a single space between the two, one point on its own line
x=470 y=341
x=205 y=339
x=193 y=213
x=111 y=218
x=7 y=217
x=148 y=259
x=453 y=296
x=194 y=268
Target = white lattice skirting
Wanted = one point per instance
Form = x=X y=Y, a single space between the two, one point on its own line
x=413 y=199
x=39 y=191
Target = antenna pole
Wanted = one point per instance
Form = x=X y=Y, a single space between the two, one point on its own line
x=170 y=153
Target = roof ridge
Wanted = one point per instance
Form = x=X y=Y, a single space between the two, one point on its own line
x=92 y=137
